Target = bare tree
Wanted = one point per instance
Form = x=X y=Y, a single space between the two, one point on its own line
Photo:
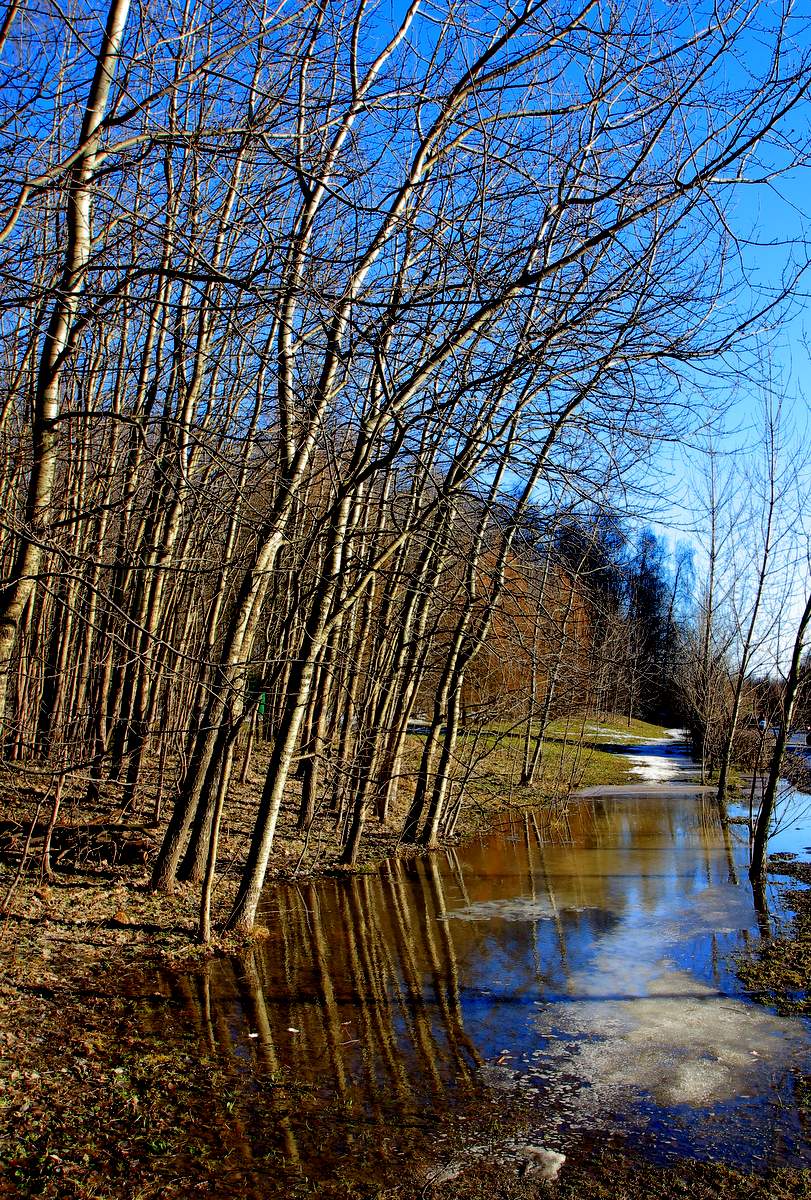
x=59 y=340
x=767 y=526
x=791 y=691
x=304 y=288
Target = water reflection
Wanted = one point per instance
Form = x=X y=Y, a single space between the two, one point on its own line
x=588 y=967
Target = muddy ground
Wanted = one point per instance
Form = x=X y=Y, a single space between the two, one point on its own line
x=102 y=1097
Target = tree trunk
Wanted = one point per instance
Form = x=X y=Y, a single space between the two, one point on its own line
x=757 y=868
x=56 y=348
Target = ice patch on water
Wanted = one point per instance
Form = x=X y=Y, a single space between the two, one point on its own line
x=721 y=908
x=516 y=909
x=665 y=1033
x=519 y=1157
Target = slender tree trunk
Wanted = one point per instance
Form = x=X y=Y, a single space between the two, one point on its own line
x=56 y=347
x=757 y=868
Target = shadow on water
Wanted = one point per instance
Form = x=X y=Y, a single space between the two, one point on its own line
x=589 y=976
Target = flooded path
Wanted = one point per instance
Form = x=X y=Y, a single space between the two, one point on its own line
x=588 y=970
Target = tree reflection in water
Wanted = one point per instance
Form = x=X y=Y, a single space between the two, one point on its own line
x=560 y=969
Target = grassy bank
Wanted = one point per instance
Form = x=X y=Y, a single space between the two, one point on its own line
x=576 y=754
x=93 y=842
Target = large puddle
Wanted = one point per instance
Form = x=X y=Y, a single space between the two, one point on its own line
x=588 y=969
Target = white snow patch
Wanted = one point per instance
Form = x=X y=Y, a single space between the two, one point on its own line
x=661 y=762
x=537 y=1160
x=654 y=770
x=606 y=730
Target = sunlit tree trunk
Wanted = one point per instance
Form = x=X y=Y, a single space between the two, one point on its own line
x=56 y=347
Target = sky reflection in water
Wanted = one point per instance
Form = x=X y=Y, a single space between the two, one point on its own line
x=591 y=972
x=644 y=1024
